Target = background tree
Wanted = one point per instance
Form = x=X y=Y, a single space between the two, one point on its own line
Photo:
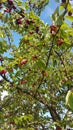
x=39 y=71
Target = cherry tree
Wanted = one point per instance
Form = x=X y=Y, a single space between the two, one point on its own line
x=37 y=74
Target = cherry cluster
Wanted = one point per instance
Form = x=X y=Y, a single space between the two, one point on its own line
x=3 y=72
x=10 y=6
x=53 y=31
x=69 y=12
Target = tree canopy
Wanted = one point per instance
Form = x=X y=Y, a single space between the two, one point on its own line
x=38 y=72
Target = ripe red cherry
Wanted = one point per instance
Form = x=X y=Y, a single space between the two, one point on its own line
x=1 y=59
x=0 y=5
x=44 y=73
x=60 y=42
x=53 y=29
x=58 y=128
x=33 y=85
x=63 y=1
x=11 y=70
x=14 y=7
x=27 y=21
x=69 y=13
x=18 y=21
x=12 y=122
x=8 y=10
x=22 y=82
x=24 y=61
x=3 y=72
x=34 y=57
x=31 y=32
x=10 y=2
x=62 y=62
x=38 y=80
x=37 y=29
x=11 y=85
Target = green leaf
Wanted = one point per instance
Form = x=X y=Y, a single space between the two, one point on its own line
x=28 y=117
x=61 y=7
x=59 y=20
x=69 y=99
x=70 y=18
x=55 y=14
x=30 y=129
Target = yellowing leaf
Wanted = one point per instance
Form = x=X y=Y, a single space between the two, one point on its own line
x=69 y=99
x=70 y=18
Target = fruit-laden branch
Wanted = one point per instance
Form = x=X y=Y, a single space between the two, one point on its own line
x=53 y=112
x=49 y=54
x=69 y=77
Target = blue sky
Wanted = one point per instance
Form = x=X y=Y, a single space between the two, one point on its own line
x=47 y=12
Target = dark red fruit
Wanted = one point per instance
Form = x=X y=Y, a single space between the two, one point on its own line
x=53 y=29
x=8 y=10
x=22 y=82
x=38 y=80
x=44 y=73
x=10 y=2
x=36 y=129
x=18 y=21
x=11 y=85
x=0 y=5
x=34 y=57
x=63 y=1
x=33 y=85
x=11 y=70
x=11 y=123
x=27 y=21
x=0 y=81
x=58 y=128
x=3 y=72
x=24 y=61
x=14 y=7
x=1 y=59
x=69 y=13
x=37 y=29
x=60 y=42
x=31 y=32
x=62 y=62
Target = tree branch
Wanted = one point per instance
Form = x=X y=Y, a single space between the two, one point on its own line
x=52 y=110
x=4 y=77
